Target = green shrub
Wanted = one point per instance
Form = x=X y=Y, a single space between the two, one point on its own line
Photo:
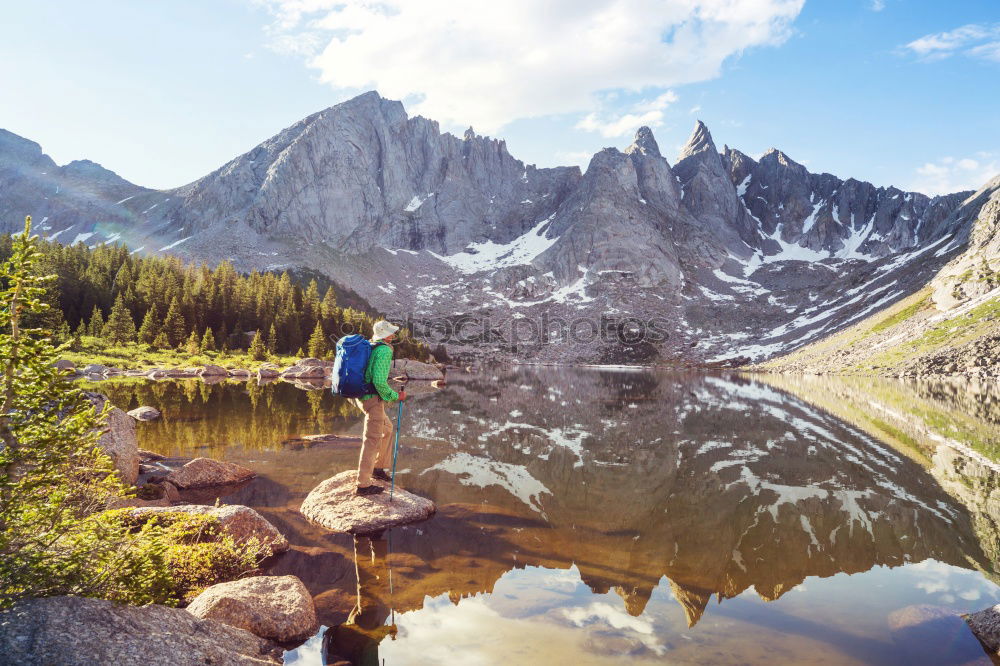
x=55 y=538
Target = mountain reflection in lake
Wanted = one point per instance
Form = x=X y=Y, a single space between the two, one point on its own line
x=591 y=516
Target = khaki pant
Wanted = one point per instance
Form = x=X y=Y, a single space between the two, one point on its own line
x=377 y=439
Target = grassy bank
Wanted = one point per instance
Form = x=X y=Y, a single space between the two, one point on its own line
x=137 y=355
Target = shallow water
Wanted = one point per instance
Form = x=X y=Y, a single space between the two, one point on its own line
x=590 y=516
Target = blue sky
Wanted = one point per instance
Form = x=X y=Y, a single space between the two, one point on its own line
x=900 y=92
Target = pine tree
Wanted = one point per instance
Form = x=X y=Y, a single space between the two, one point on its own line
x=257 y=351
x=299 y=353
x=161 y=341
x=120 y=328
x=272 y=339
x=208 y=340
x=317 y=342
x=191 y=346
x=96 y=324
x=81 y=329
x=148 y=330
x=173 y=323
x=52 y=474
x=329 y=304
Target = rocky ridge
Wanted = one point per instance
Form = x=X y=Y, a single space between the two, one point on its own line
x=950 y=327
x=721 y=255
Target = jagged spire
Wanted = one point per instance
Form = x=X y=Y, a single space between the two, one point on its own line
x=644 y=143
x=692 y=600
x=699 y=142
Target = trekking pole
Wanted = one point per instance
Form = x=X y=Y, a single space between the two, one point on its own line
x=395 y=449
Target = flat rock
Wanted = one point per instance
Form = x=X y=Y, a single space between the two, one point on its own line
x=94 y=369
x=242 y=522
x=242 y=373
x=213 y=370
x=77 y=631
x=118 y=438
x=144 y=413
x=268 y=372
x=274 y=607
x=206 y=472
x=334 y=505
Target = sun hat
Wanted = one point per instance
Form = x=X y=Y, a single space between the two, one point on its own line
x=383 y=329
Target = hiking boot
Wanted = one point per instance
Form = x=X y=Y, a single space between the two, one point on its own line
x=380 y=474
x=368 y=490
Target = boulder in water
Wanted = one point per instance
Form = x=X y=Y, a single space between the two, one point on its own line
x=985 y=624
x=275 y=607
x=144 y=413
x=118 y=438
x=335 y=505
x=206 y=472
x=78 y=631
x=213 y=371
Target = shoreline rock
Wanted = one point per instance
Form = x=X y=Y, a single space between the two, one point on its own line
x=79 y=631
x=334 y=505
x=410 y=369
x=278 y=608
x=241 y=522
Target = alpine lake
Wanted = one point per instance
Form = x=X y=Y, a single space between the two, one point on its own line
x=606 y=516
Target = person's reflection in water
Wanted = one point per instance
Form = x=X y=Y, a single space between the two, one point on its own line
x=356 y=640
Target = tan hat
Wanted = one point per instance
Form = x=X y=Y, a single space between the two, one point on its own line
x=383 y=329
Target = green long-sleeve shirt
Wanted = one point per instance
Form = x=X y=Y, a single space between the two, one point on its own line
x=377 y=373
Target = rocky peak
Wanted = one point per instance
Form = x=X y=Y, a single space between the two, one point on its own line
x=699 y=142
x=644 y=143
x=17 y=149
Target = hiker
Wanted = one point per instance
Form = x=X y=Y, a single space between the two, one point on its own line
x=377 y=435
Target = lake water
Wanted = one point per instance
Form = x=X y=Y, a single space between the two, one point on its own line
x=591 y=516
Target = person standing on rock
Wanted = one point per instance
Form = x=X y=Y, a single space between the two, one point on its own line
x=377 y=435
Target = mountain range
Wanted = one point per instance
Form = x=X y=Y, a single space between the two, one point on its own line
x=713 y=258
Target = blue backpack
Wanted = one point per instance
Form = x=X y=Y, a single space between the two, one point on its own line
x=353 y=352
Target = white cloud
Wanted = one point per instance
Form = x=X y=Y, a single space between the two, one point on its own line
x=646 y=112
x=976 y=40
x=877 y=5
x=488 y=63
x=951 y=174
x=580 y=158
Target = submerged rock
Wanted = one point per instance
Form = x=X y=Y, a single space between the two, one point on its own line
x=242 y=522
x=144 y=413
x=77 y=631
x=932 y=635
x=118 y=438
x=334 y=505
x=275 y=607
x=205 y=472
